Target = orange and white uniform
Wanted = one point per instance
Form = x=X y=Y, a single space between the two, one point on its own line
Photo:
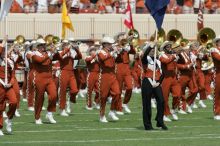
x=92 y=79
x=108 y=84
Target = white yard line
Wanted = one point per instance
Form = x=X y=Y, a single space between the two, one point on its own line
x=106 y=129
x=107 y=140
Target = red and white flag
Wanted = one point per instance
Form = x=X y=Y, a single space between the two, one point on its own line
x=200 y=20
x=20 y=3
x=128 y=17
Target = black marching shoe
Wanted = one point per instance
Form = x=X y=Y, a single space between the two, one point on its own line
x=149 y=128
x=162 y=126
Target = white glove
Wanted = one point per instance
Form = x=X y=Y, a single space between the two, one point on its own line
x=155 y=84
x=7 y=86
x=176 y=58
x=201 y=55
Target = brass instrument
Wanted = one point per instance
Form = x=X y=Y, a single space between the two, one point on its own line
x=18 y=45
x=205 y=38
x=123 y=42
x=55 y=40
x=134 y=33
x=184 y=42
x=175 y=36
x=20 y=39
x=134 y=38
x=49 y=39
x=161 y=37
x=39 y=36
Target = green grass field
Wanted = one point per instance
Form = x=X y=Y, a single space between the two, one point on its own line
x=83 y=128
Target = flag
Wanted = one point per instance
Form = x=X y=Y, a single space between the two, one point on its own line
x=66 y=22
x=128 y=21
x=200 y=24
x=5 y=7
x=157 y=9
x=20 y=2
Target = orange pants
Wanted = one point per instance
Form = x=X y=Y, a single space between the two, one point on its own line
x=16 y=89
x=208 y=79
x=67 y=79
x=135 y=78
x=201 y=85
x=44 y=84
x=80 y=78
x=92 y=83
x=30 y=88
x=136 y=74
x=190 y=82
x=24 y=86
x=124 y=77
x=200 y=80
x=56 y=81
x=108 y=85
x=217 y=94
x=171 y=84
x=7 y=95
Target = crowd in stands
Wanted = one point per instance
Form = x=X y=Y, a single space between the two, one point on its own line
x=113 y=6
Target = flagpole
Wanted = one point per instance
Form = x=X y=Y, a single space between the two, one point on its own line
x=6 y=52
x=155 y=55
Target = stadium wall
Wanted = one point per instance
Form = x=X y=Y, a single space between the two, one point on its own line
x=96 y=25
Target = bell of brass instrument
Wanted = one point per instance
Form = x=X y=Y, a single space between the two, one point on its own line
x=49 y=39
x=134 y=33
x=161 y=37
x=205 y=38
x=184 y=42
x=39 y=36
x=55 y=39
x=175 y=36
x=123 y=42
x=134 y=38
x=20 y=39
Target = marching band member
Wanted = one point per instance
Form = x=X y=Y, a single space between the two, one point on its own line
x=67 y=76
x=215 y=52
x=123 y=73
x=198 y=56
x=15 y=56
x=152 y=87
x=209 y=76
x=170 y=83
x=136 y=72
x=30 y=75
x=92 y=78
x=186 y=79
x=24 y=85
x=43 y=81
x=56 y=74
x=7 y=93
x=108 y=82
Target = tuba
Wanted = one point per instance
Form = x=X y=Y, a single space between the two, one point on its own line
x=175 y=36
x=205 y=38
x=161 y=37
